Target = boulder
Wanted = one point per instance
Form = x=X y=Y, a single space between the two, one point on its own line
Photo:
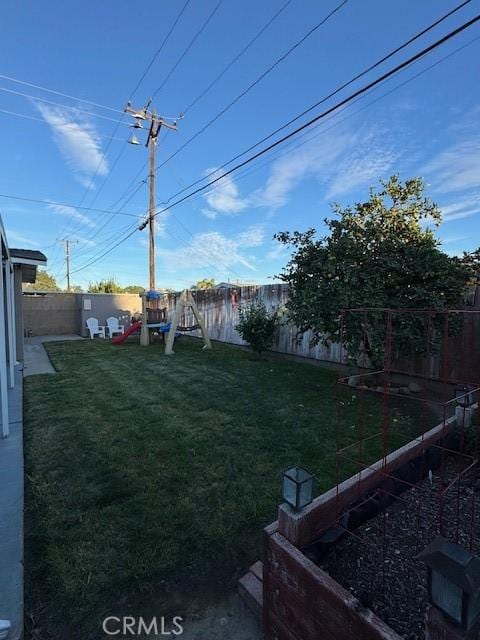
x=414 y=387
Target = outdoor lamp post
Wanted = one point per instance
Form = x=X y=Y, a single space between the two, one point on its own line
x=297 y=487
x=453 y=582
x=464 y=397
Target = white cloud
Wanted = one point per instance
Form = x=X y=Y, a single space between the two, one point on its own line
x=19 y=239
x=367 y=159
x=161 y=224
x=278 y=250
x=287 y=172
x=77 y=141
x=341 y=160
x=87 y=242
x=252 y=237
x=457 y=167
x=462 y=208
x=452 y=239
x=224 y=197
x=208 y=213
x=206 y=249
x=160 y=229
x=71 y=212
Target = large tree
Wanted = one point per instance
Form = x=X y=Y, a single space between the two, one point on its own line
x=106 y=285
x=43 y=282
x=379 y=253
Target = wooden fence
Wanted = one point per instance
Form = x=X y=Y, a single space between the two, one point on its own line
x=220 y=309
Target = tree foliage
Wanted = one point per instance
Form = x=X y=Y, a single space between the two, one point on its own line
x=110 y=285
x=378 y=253
x=205 y=283
x=44 y=282
x=472 y=261
x=106 y=285
x=257 y=326
x=134 y=288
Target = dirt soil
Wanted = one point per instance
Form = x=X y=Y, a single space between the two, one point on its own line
x=377 y=562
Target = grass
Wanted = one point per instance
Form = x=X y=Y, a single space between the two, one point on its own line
x=145 y=471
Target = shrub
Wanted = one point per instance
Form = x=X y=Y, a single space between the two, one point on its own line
x=257 y=326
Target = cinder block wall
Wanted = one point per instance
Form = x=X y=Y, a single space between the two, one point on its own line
x=104 y=305
x=52 y=313
x=60 y=313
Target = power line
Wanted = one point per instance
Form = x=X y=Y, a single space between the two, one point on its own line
x=56 y=104
x=42 y=121
x=160 y=48
x=238 y=56
x=289 y=149
x=129 y=235
x=59 y=93
x=188 y=47
x=64 y=204
x=122 y=116
x=346 y=100
x=261 y=77
x=344 y=85
x=308 y=124
x=100 y=189
x=322 y=100
x=170 y=31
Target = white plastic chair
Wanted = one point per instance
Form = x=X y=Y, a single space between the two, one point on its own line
x=114 y=327
x=94 y=328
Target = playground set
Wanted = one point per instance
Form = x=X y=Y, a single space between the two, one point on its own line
x=154 y=320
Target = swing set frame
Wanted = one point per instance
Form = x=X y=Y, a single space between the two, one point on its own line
x=185 y=301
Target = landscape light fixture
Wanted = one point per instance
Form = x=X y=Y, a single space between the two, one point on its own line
x=453 y=581
x=297 y=487
x=464 y=397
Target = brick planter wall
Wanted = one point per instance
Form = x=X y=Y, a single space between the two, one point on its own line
x=302 y=602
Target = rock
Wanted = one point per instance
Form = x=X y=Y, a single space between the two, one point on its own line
x=405 y=390
x=414 y=387
x=353 y=381
x=394 y=389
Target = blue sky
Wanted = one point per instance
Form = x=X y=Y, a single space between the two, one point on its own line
x=97 y=51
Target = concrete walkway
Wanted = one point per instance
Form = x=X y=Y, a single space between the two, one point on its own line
x=11 y=515
x=36 y=358
x=11 y=488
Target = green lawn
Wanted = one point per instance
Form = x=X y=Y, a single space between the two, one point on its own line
x=145 y=471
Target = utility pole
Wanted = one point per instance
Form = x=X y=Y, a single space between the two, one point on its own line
x=66 y=244
x=156 y=123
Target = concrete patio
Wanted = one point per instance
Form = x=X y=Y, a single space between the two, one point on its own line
x=36 y=359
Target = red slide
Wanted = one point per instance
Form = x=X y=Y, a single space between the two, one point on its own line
x=123 y=336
